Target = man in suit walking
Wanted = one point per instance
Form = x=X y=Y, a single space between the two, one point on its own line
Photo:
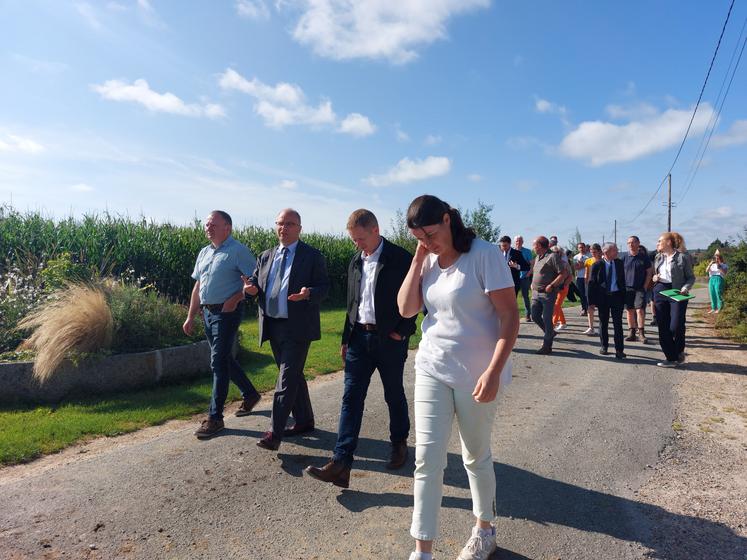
x=290 y=281
x=375 y=336
x=607 y=292
x=515 y=260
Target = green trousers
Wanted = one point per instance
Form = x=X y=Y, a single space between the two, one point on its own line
x=716 y=291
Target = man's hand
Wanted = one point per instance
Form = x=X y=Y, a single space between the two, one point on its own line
x=395 y=336
x=487 y=387
x=249 y=287
x=188 y=326
x=549 y=288
x=305 y=293
x=343 y=351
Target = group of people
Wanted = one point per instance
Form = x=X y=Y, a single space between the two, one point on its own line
x=607 y=284
x=467 y=290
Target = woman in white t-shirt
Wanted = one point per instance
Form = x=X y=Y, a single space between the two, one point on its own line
x=469 y=330
x=716 y=276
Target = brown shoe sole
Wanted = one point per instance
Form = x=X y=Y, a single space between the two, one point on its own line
x=243 y=412
x=208 y=435
x=341 y=483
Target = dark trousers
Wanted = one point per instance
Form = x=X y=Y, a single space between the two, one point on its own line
x=291 y=391
x=670 y=319
x=542 y=310
x=525 y=283
x=612 y=304
x=581 y=285
x=220 y=331
x=367 y=351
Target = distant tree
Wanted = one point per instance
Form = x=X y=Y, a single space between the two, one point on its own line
x=400 y=233
x=574 y=240
x=716 y=244
x=479 y=219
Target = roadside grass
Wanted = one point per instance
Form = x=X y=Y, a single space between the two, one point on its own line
x=29 y=432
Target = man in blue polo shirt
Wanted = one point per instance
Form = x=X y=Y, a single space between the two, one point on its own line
x=217 y=295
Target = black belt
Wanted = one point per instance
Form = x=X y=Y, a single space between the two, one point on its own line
x=212 y=307
x=368 y=327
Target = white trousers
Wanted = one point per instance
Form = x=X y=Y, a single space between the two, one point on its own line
x=436 y=404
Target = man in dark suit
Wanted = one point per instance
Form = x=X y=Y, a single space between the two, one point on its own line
x=607 y=292
x=374 y=336
x=290 y=280
x=516 y=261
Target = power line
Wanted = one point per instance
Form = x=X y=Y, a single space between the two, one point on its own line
x=719 y=109
x=692 y=118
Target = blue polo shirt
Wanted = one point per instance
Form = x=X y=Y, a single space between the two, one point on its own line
x=219 y=270
x=527 y=254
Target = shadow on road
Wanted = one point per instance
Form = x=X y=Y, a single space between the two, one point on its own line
x=525 y=495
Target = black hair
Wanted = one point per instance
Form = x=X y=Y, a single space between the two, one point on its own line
x=505 y=239
x=428 y=210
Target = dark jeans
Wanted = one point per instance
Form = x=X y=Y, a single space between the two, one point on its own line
x=367 y=351
x=542 y=309
x=291 y=391
x=670 y=319
x=581 y=285
x=220 y=330
x=525 y=283
x=612 y=304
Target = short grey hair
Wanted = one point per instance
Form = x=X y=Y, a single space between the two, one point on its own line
x=607 y=246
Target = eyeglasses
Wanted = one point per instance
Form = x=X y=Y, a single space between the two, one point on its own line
x=286 y=224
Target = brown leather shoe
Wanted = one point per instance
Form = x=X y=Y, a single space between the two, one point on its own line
x=298 y=429
x=336 y=473
x=269 y=442
x=209 y=428
x=248 y=405
x=398 y=456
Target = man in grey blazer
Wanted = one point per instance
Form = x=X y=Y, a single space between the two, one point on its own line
x=290 y=281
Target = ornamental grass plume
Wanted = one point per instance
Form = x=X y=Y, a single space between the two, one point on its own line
x=77 y=319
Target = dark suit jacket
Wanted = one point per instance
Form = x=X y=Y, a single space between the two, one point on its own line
x=309 y=269
x=391 y=269
x=516 y=256
x=597 y=281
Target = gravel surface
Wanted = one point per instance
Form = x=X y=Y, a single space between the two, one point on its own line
x=576 y=446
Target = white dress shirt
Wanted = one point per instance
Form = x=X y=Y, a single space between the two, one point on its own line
x=665 y=269
x=366 y=311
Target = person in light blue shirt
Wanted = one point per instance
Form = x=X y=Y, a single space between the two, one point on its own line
x=217 y=294
x=524 y=275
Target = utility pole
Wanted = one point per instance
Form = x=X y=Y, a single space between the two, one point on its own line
x=669 y=204
x=615 y=232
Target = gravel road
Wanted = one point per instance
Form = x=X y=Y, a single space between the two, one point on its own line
x=576 y=435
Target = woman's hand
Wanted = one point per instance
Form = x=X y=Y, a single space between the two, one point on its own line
x=487 y=387
x=420 y=253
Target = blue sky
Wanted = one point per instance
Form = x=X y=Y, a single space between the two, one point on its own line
x=560 y=114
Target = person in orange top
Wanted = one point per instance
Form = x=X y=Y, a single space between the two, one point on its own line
x=558 y=317
x=596 y=256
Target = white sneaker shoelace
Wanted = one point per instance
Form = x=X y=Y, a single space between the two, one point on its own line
x=479 y=546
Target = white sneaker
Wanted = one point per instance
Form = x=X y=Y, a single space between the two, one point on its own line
x=591 y=331
x=559 y=327
x=480 y=545
x=667 y=364
x=420 y=555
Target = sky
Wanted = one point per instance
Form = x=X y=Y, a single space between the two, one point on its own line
x=561 y=115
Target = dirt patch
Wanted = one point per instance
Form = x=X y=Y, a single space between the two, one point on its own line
x=702 y=474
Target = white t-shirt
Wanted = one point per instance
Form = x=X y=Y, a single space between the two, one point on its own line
x=581 y=258
x=717 y=269
x=461 y=328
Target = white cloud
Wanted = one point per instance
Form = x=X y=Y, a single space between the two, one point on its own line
x=285 y=104
x=432 y=140
x=288 y=184
x=408 y=171
x=599 y=143
x=402 y=136
x=737 y=134
x=87 y=12
x=356 y=124
x=376 y=29
x=545 y=106
x=12 y=143
x=81 y=187
x=720 y=212
x=38 y=66
x=140 y=92
x=474 y=177
x=636 y=111
x=252 y=9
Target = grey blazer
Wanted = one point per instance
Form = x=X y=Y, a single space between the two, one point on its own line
x=683 y=276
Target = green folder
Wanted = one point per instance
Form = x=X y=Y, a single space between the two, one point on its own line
x=676 y=295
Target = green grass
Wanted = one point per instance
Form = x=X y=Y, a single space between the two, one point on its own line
x=27 y=433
